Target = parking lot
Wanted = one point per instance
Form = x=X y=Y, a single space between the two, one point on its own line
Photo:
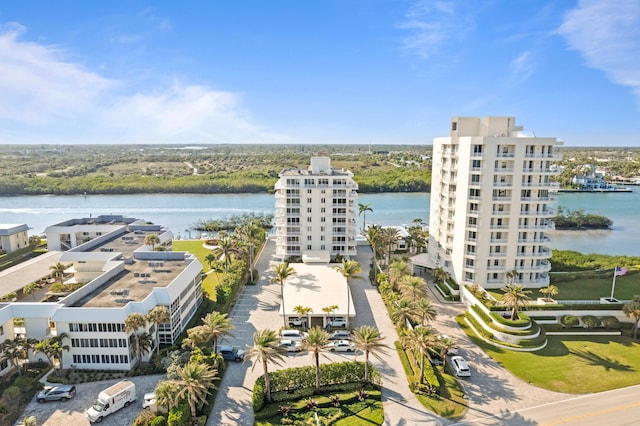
x=72 y=412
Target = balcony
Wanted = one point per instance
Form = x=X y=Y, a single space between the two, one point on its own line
x=545 y=213
x=503 y=170
x=502 y=184
x=505 y=155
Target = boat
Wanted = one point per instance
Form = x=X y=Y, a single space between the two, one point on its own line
x=592 y=183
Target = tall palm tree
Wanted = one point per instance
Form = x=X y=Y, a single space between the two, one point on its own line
x=304 y=312
x=194 y=384
x=58 y=270
x=440 y=275
x=398 y=269
x=165 y=393
x=390 y=236
x=316 y=343
x=132 y=324
x=210 y=258
x=370 y=341
x=511 y=276
x=152 y=240
x=53 y=348
x=349 y=269
x=251 y=233
x=142 y=344
x=404 y=311
x=328 y=310
x=363 y=208
x=515 y=296
x=632 y=310
x=158 y=315
x=445 y=345
x=17 y=349
x=420 y=339
x=425 y=311
x=282 y=272
x=226 y=247
x=217 y=325
x=373 y=236
x=413 y=288
x=265 y=351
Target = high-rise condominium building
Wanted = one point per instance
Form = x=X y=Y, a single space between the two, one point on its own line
x=491 y=192
x=316 y=212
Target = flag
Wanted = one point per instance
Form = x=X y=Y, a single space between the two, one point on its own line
x=620 y=271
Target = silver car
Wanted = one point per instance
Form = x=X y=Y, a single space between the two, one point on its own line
x=56 y=393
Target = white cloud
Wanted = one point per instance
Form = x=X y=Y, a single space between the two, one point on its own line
x=606 y=34
x=48 y=98
x=521 y=68
x=431 y=23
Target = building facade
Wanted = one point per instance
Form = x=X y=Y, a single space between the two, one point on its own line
x=316 y=212
x=491 y=192
x=110 y=272
x=13 y=237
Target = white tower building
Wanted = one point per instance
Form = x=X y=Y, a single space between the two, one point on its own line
x=490 y=194
x=316 y=212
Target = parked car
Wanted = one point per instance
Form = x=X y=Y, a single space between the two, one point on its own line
x=56 y=393
x=340 y=335
x=297 y=322
x=451 y=351
x=341 y=346
x=460 y=366
x=149 y=400
x=231 y=353
x=337 y=322
x=293 y=335
x=290 y=345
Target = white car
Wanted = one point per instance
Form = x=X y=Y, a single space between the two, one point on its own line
x=337 y=322
x=460 y=366
x=340 y=335
x=149 y=400
x=290 y=345
x=341 y=346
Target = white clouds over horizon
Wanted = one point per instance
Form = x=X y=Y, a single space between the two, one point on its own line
x=607 y=35
x=44 y=92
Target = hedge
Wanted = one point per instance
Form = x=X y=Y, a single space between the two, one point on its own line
x=531 y=330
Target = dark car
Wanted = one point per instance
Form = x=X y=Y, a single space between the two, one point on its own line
x=231 y=353
x=57 y=393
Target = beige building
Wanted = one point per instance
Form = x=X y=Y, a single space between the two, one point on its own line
x=316 y=212
x=491 y=192
x=13 y=237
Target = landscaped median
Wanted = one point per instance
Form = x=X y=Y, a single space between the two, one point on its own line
x=343 y=398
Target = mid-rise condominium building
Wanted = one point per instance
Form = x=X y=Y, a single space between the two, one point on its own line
x=316 y=212
x=490 y=212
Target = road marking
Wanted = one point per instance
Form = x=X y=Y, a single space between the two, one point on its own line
x=592 y=414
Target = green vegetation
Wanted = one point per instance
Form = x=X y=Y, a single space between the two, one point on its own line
x=197 y=248
x=207 y=169
x=572 y=364
x=578 y=219
x=572 y=261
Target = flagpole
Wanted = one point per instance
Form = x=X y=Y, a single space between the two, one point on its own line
x=613 y=286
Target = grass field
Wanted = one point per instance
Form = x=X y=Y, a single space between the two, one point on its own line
x=590 y=289
x=196 y=248
x=572 y=364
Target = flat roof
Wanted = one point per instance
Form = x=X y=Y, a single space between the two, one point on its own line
x=16 y=277
x=317 y=286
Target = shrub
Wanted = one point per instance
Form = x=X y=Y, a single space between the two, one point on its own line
x=180 y=416
x=158 y=421
x=570 y=321
x=12 y=393
x=610 y=322
x=591 y=321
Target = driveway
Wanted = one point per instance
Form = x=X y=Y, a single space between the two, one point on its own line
x=72 y=412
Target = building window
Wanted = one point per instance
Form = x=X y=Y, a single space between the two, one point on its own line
x=308 y=209
x=454 y=126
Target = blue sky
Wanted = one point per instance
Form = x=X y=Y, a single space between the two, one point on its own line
x=321 y=72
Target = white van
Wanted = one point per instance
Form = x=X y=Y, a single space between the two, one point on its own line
x=293 y=335
x=111 y=400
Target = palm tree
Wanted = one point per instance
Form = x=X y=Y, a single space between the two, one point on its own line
x=514 y=297
x=217 y=325
x=632 y=310
x=422 y=340
x=165 y=393
x=250 y=232
x=303 y=311
x=549 y=291
x=132 y=324
x=511 y=276
x=158 y=315
x=370 y=341
x=152 y=240
x=413 y=288
x=390 y=236
x=281 y=273
x=398 y=269
x=194 y=384
x=362 y=210
x=349 y=270
x=226 y=247
x=425 y=311
x=445 y=345
x=316 y=343
x=404 y=311
x=374 y=237
x=30 y=289
x=265 y=351
x=328 y=310
x=52 y=348
x=210 y=258
x=440 y=275
x=142 y=344
x=30 y=421
x=58 y=270
x=16 y=349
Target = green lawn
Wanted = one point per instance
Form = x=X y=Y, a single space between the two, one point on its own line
x=590 y=289
x=196 y=248
x=572 y=364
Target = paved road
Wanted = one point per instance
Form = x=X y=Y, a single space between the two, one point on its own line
x=618 y=407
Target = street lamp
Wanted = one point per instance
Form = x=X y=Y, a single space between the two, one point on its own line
x=189 y=232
